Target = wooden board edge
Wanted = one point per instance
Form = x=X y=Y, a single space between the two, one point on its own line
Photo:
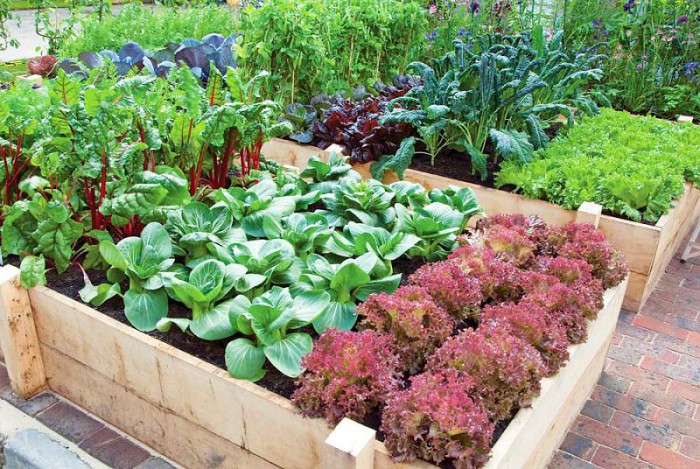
x=175 y=437
x=18 y=336
x=238 y=411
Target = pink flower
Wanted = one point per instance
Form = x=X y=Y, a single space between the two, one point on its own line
x=433 y=9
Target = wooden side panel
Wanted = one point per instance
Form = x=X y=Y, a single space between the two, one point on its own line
x=635 y=291
x=535 y=433
x=18 y=336
x=290 y=153
x=675 y=226
x=237 y=411
x=177 y=438
x=637 y=242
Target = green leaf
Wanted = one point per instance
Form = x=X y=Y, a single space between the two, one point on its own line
x=32 y=271
x=286 y=354
x=308 y=306
x=512 y=145
x=348 y=277
x=215 y=323
x=165 y=324
x=336 y=316
x=156 y=238
x=244 y=360
x=208 y=278
x=382 y=285
x=112 y=255
x=145 y=309
x=97 y=295
x=398 y=162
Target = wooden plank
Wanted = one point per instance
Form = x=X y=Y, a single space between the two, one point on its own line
x=675 y=227
x=175 y=437
x=635 y=292
x=18 y=336
x=589 y=212
x=238 y=411
x=350 y=446
x=290 y=153
x=535 y=433
x=637 y=242
x=88 y=336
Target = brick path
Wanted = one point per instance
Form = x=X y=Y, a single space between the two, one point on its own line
x=645 y=410
x=101 y=441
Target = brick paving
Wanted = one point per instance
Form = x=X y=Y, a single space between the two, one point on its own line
x=645 y=410
x=94 y=437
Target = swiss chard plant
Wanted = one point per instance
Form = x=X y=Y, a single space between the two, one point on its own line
x=21 y=108
x=41 y=225
x=270 y=319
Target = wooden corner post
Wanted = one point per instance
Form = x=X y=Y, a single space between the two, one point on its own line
x=589 y=212
x=350 y=446
x=18 y=337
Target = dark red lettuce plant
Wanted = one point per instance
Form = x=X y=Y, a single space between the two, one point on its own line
x=451 y=288
x=416 y=325
x=436 y=419
x=349 y=374
x=531 y=322
x=506 y=368
x=354 y=124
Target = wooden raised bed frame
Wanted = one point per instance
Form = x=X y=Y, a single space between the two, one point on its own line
x=197 y=415
x=648 y=249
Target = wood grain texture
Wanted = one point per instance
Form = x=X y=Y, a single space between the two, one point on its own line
x=176 y=437
x=196 y=414
x=237 y=411
x=350 y=446
x=18 y=336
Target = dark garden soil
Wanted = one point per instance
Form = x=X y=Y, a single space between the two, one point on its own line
x=455 y=165
x=70 y=282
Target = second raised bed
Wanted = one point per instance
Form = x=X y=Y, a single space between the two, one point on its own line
x=648 y=249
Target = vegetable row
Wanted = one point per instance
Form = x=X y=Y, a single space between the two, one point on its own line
x=466 y=342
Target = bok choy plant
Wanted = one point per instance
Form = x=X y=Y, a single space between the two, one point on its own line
x=143 y=261
x=347 y=282
x=207 y=284
x=269 y=320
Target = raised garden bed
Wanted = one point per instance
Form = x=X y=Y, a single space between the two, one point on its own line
x=648 y=249
x=196 y=414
